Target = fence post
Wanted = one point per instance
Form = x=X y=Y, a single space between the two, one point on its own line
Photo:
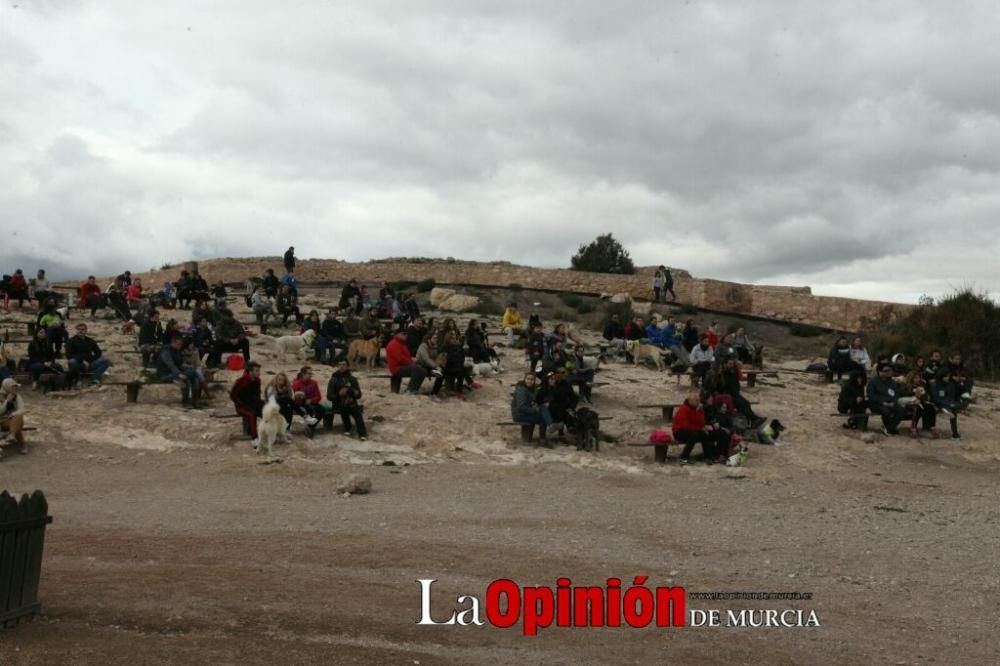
x=22 y=539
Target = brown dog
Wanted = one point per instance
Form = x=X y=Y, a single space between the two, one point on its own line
x=640 y=352
x=367 y=348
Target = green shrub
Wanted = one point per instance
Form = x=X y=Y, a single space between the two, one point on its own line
x=687 y=309
x=426 y=285
x=570 y=300
x=963 y=322
x=514 y=286
x=564 y=315
x=488 y=306
x=805 y=331
x=166 y=267
x=403 y=285
x=584 y=308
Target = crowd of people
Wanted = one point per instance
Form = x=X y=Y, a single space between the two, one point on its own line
x=180 y=348
x=898 y=391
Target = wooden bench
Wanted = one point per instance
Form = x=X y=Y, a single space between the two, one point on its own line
x=527 y=429
x=667 y=409
x=751 y=375
x=132 y=388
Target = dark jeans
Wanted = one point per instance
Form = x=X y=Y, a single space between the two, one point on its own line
x=891 y=415
x=37 y=369
x=669 y=288
x=57 y=335
x=288 y=312
x=710 y=442
x=191 y=381
x=699 y=369
x=94 y=303
x=542 y=418
x=222 y=346
x=416 y=374
x=97 y=367
x=352 y=410
x=743 y=407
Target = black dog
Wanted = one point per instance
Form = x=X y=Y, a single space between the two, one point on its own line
x=55 y=381
x=585 y=427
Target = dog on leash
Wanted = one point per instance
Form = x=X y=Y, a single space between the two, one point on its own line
x=296 y=344
x=369 y=349
x=640 y=352
x=270 y=428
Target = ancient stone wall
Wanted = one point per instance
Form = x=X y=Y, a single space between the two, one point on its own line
x=784 y=303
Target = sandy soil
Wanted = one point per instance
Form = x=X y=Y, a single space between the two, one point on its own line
x=172 y=543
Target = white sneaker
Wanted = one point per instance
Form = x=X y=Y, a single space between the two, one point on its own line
x=311 y=421
x=966 y=396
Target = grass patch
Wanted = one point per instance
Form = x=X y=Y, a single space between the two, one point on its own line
x=570 y=300
x=426 y=285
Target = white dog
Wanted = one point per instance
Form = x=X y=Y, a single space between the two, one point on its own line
x=484 y=369
x=296 y=344
x=271 y=427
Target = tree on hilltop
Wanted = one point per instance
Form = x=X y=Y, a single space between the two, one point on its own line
x=603 y=255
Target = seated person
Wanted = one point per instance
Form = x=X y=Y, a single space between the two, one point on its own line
x=401 y=363
x=83 y=354
x=229 y=337
x=859 y=354
x=135 y=294
x=287 y=305
x=344 y=395
x=412 y=308
x=853 y=398
x=882 y=393
x=535 y=348
x=702 y=357
x=52 y=321
x=12 y=414
x=331 y=342
x=150 y=337
x=171 y=367
x=691 y=337
x=42 y=289
x=614 y=333
x=416 y=331
x=17 y=289
x=262 y=305
x=270 y=283
x=311 y=397
x=475 y=339
x=165 y=297
x=288 y=280
x=220 y=294
x=744 y=348
x=245 y=395
x=280 y=390
x=512 y=324
x=558 y=396
x=690 y=427
x=963 y=383
x=581 y=375
x=41 y=357
x=91 y=296
x=350 y=295
x=943 y=397
x=839 y=361
x=525 y=409
x=731 y=386
x=453 y=371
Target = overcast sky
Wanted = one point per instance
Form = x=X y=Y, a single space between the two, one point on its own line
x=853 y=147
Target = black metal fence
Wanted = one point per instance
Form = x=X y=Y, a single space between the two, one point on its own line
x=22 y=536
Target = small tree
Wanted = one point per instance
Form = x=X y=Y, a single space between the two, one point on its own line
x=603 y=255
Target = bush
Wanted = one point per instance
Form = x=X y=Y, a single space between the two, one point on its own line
x=570 y=300
x=564 y=315
x=805 y=331
x=964 y=322
x=688 y=309
x=623 y=310
x=584 y=308
x=403 y=285
x=426 y=285
x=166 y=267
x=488 y=306
x=603 y=255
x=514 y=286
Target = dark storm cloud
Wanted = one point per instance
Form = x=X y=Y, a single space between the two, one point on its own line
x=821 y=143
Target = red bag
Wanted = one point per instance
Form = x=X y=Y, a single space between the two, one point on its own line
x=234 y=362
x=660 y=437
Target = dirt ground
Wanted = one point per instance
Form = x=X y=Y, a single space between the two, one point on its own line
x=173 y=543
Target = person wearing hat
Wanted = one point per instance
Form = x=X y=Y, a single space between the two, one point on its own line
x=83 y=353
x=12 y=413
x=512 y=324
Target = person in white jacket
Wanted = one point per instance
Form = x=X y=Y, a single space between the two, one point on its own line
x=12 y=414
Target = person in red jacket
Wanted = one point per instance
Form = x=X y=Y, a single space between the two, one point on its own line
x=135 y=292
x=713 y=334
x=690 y=428
x=90 y=296
x=246 y=397
x=401 y=363
x=18 y=289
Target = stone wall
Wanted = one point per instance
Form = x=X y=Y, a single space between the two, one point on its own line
x=796 y=304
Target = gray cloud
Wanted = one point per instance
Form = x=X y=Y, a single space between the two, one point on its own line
x=843 y=145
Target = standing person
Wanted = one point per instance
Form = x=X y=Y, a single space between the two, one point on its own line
x=536 y=346
x=245 y=395
x=668 y=285
x=690 y=428
x=401 y=363
x=83 y=353
x=657 y=285
x=12 y=414
x=344 y=394
x=290 y=259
